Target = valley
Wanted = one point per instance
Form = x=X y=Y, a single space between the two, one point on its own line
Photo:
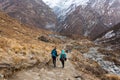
x=88 y=30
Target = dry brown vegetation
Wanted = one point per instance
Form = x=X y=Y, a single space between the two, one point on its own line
x=108 y=52
x=110 y=77
x=20 y=46
x=112 y=59
x=87 y=66
x=82 y=45
x=110 y=55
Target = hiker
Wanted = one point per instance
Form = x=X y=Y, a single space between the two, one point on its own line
x=54 y=55
x=63 y=57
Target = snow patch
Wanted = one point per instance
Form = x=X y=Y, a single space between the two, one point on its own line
x=51 y=3
x=111 y=2
x=50 y=25
x=109 y=34
x=64 y=6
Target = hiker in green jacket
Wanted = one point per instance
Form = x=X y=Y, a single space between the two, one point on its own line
x=63 y=57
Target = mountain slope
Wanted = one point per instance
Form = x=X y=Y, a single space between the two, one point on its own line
x=22 y=49
x=86 y=17
x=20 y=46
x=32 y=12
x=111 y=37
x=25 y=54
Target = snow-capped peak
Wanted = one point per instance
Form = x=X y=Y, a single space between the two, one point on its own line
x=64 y=3
x=63 y=7
x=51 y=3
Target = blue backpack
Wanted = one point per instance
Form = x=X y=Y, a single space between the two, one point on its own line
x=54 y=53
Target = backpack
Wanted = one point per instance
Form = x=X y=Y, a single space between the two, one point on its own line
x=63 y=57
x=54 y=53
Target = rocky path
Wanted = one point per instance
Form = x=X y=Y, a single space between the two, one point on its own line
x=49 y=73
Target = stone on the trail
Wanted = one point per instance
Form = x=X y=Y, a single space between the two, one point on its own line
x=78 y=77
x=43 y=38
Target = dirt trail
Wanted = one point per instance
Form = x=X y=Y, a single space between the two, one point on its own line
x=49 y=73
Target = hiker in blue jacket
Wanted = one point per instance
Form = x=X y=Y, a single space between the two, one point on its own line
x=54 y=55
x=63 y=57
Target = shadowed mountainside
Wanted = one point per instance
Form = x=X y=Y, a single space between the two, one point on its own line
x=32 y=12
x=111 y=37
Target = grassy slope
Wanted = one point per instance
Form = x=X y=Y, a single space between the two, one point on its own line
x=19 y=45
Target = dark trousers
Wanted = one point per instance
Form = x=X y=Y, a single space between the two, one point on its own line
x=54 y=61
x=62 y=61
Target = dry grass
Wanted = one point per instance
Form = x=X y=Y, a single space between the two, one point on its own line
x=82 y=45
x=110 y=77
x=112 y=59
x=108 y=52
x=20 y=48
x=19 y=45
x=87 y=66
x=110 y=55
